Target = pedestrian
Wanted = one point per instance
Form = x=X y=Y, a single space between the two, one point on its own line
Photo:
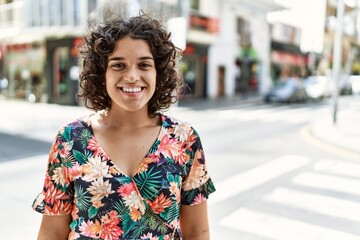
x=126 y=171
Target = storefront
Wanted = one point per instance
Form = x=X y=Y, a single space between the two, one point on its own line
x=288 y=56
x=193 y=66
x=62 y=70
x=24 y=67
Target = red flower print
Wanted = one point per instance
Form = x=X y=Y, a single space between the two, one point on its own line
x=160 y=203
x=75 y=171
x=198 y=199
x=94 y=146
x=182 y=157
x=53 y=155
x=109 y=228
x=191 y=140
x=59 y=207
x=52 y=194
x=126 y=189
x=64 y=149
x=90 y=229
x=169 y=147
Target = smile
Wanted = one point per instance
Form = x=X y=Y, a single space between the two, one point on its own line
x=131 y=89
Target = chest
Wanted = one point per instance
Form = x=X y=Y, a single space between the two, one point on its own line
x=127 y=149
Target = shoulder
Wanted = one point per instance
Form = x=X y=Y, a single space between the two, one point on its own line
x=171 y=122
x=179 y=127
x=76 y=125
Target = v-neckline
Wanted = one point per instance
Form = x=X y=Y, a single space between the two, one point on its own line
x=107 y=157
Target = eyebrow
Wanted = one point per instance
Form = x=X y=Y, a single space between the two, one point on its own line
x=122 y=58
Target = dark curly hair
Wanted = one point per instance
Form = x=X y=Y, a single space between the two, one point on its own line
x=100 y=42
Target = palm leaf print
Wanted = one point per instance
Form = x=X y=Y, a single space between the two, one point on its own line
x=155 y=146
x=82 y=199
x=149 y=183
x=171 y=212
x=67 y=134
x=80 y=157
x=154 y=221
x=69 y=160
x=139 y=228
x=84 y=137
x=120 y=208
x=151 y=221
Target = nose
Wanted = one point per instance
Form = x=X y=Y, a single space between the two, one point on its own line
x=132 y=75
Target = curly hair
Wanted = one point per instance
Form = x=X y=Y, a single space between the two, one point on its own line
x=101 y=42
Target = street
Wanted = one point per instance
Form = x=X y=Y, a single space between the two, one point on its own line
x=273 y=182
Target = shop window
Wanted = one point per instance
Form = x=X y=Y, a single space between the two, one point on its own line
x=91 y=6
x=61 y=62
x=188 y=69
x=195 y=4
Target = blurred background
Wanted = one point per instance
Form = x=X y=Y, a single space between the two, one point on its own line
x=231 y=48
x=273 y=89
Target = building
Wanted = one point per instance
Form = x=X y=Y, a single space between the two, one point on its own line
x=244 y=38
x=38 y=53
x=39 y=41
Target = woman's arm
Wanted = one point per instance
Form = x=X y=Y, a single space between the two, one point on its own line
x=194 y=222
x=55 y=227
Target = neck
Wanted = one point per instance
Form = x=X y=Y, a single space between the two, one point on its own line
x=119 y=118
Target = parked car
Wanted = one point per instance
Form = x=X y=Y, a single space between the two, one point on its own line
x=355 y=84
x=345 y=86
x=289 y=91
x=318 y=87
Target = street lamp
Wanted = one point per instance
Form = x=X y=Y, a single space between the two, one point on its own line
x=337 y=55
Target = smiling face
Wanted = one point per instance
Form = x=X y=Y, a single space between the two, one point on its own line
x=131 y=75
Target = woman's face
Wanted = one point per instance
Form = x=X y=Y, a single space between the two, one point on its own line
x=131 y=75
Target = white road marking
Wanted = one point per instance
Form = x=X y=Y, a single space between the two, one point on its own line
x=325 y=205
x=255 y=177
x=341 y=168
x=322 y=181
x=280 y=228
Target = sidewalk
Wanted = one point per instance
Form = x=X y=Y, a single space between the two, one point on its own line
x=344 y=135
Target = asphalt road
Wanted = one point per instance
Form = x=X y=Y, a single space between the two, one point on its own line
x=272 y=183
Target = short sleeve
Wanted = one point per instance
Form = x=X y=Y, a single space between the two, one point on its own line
x=197 y=185
x=56 y=197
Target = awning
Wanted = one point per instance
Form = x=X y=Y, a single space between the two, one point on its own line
x=288 y=58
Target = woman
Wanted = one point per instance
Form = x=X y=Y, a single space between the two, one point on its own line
x=98 y=184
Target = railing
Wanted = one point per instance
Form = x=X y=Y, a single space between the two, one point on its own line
x=11 y=14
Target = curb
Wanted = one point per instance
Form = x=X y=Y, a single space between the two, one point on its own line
x=328 y=146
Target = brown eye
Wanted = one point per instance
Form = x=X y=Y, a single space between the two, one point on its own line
x=145 y=65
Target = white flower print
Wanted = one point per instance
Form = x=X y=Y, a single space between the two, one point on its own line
x=99 y=189
x=134 y=201
x=94 y=169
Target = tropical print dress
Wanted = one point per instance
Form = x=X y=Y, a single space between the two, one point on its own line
x=105 y=203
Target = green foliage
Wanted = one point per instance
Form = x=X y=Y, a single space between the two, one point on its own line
x=80 y=157
x=83 y=201
x=67 y=134
x=149 y=183
x=121 y=208
x=128 y=224
x=85 y=137
x=171 y=212
x=155 y=146
x=92 y=211
x=139 y=228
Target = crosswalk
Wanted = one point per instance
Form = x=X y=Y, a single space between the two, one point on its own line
x=214 y=119
x=320 y=200
x=285 y=114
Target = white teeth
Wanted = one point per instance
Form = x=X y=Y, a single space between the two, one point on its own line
x=132 y=90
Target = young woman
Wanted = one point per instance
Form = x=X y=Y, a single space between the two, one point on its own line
x=126 y=171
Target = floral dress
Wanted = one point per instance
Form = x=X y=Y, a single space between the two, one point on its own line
x=105 y=203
